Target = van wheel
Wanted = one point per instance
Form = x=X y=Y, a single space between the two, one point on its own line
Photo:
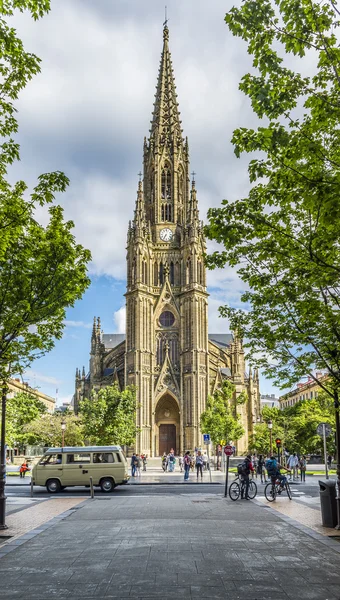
x=53 y=486
x=107 y=485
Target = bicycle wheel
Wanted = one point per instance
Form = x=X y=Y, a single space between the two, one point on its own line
x=270 y=492
x=252 y=490
x=289 y=493
x=234 y=491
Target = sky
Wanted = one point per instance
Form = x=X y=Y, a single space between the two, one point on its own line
x=87 y=113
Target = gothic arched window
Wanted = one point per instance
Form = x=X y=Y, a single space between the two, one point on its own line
x=172 y=273
x=177 y=274
x=144 y=272
x=166 y=182
x=155 y=274
x=161 y=274
x=188 y=273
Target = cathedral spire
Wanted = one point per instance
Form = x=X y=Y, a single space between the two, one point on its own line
x=193 y=214
x=165 y=122
x=140 y=216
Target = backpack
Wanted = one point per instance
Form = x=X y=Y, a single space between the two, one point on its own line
x=187 y=460
x=243 y=468
x=271 y=466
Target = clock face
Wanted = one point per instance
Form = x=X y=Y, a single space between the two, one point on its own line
x=166 y=235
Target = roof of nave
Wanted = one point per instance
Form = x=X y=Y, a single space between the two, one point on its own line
x=223 y=340
x=111 y=340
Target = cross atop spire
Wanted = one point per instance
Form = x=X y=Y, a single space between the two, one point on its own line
x=165 y=122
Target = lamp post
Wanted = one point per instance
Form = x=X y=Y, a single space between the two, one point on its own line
x=337 y=433
x=270 y=427
x=3 y=458
x=63 y=427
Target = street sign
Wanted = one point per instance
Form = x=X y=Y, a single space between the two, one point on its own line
x=206 y=438
x=228 y=450
x=328 y=429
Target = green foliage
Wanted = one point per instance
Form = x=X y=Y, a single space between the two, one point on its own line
x=283 y=238
x=46 y=431
x=220 y=418
x=43 y=270
x=21 y=410
x=109 y=416
x=296 y=426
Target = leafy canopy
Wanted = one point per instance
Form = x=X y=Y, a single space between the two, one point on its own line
x=46 y=430
x=21 y=409
x=283 y=238
x=220 y=418
x=43 y=270
x=109 y=416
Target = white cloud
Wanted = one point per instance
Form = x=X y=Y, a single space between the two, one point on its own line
x=34 y=376
x=119 y=318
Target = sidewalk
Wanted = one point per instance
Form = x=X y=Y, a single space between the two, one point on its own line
x=193 y=547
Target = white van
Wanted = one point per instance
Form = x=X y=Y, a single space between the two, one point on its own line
x=66 y=467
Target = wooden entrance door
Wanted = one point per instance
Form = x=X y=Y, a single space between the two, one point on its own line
x=167 y=439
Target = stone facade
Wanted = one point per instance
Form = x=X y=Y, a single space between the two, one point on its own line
x=167 y=352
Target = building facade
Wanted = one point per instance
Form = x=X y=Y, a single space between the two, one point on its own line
x=269 y=400
x=304 y=391
x=16 y=386
x=167 y=352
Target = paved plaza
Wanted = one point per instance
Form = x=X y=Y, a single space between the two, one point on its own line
x=169 y=545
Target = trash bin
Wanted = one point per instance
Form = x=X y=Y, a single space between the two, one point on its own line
x=328 y=503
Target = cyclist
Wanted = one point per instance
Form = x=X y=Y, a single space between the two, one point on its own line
x=273 y=470
x=247 y=467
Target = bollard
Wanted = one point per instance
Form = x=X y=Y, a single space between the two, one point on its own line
x=91 y=487
x=31 y=487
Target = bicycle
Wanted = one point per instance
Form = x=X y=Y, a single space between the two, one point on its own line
x=238 y=488
x=272 y=490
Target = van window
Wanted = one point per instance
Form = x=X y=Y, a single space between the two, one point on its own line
x=51 y=459
x=79 y=457
x=118 y=457
x=103 y=457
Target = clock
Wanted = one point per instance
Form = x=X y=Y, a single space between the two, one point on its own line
x=166 y=235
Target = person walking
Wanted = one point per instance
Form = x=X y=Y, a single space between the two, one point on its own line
x=171 y=462
x=134 y=463
x=329 y=461
x=205 y=462
x=292 y=465
x=180 y=462
x=187 y=465
x=139 y=464
x=144 y=459
x=303 y=465
x=260 y=468
x=247 y=468
x=199 y=464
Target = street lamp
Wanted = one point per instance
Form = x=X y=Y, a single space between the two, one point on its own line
x=270 y=427
x=63 y=427
x=3 y=458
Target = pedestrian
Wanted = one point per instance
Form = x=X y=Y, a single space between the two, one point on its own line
x=254 y=463
x=180 y=462
x=139 y=464
x=205 y=462
x=24 y=468
x=329 y=461
x=171 y=462
x=199 y=464
x=164 y=459
x=187 y=465
x=134 y=463
x=260 y=468
x=303 y=465
x=292 y=464
x=145 y=457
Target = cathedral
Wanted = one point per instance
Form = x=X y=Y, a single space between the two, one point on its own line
x=167 y=352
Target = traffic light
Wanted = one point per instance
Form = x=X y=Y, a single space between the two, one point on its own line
x=278 y=442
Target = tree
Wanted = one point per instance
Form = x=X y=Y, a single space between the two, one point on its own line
x=109 y=416
x=46 y=430
x=220 y=417
x=42 y=269
x=296 y=426
x=21 y=410
x=283 y=238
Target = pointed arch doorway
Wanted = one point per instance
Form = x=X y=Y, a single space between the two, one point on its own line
x=167 y=425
